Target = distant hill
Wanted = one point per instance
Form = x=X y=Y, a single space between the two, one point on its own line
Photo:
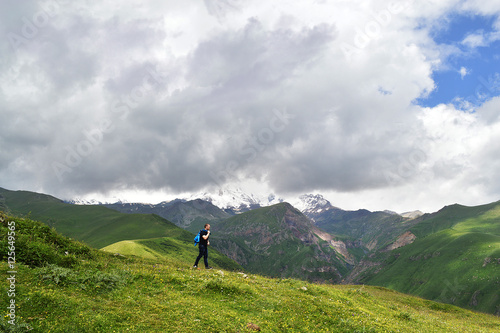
x=95 y=225
x=3 y=207
x=364 y=229
x=190 y=215
x=455 y=258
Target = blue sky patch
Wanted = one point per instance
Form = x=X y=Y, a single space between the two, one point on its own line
x=470 y=75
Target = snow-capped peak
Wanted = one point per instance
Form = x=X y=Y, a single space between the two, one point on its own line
x=412 y=215
x=81 y=201
x=236 y=199
x=309 y=203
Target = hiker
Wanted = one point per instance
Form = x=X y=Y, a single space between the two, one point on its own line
x=203 y=246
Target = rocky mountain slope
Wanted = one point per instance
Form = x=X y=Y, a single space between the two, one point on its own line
x=279 y=241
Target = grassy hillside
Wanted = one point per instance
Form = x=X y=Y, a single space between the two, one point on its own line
x=100 y=292
x=455 y=259
x=3 y=207
x=483 y=217
x=168 y=247
x=102 y=227
x=97 y=226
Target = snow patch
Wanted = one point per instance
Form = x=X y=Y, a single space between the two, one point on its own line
x=312 y=203
x=236 y=199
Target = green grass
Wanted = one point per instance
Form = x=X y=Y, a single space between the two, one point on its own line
x=166 y=247
x=101 y=292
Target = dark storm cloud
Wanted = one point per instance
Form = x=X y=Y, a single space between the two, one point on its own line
x=184 y=141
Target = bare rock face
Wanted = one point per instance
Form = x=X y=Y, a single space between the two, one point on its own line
x=412 y=215
x=403 y=240
x=473 y=301
x=486 y=261
x=341 y=249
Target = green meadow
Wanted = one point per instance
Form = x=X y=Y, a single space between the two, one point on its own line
x=166 y=247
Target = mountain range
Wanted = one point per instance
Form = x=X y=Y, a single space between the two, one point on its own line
x=187 y=214
x=452 y=255
x=235 y=200
x=231 y=200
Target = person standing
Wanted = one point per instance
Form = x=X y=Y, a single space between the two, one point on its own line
x=203 y=246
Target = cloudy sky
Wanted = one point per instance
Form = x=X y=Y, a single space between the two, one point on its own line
x=374 y=104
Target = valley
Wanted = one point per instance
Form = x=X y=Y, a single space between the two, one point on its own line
x=66 y=286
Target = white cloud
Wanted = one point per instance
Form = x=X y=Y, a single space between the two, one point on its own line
x=476 y=39
x=463 y=72
x=480 y=39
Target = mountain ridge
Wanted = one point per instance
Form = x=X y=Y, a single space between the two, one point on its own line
x=187 y=214
x=235 y=201
x=335 y=246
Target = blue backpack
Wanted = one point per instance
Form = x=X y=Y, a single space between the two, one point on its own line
x=197 y=238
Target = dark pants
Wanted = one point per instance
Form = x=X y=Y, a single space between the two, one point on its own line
x=203 y=253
